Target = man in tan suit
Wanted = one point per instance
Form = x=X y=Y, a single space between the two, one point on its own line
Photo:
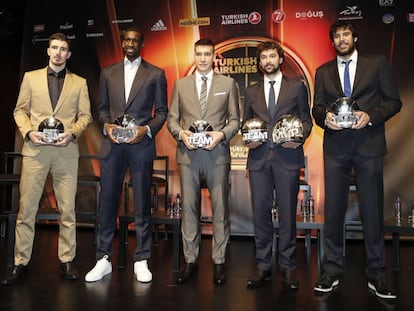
x=211 y=162
x=69 y=104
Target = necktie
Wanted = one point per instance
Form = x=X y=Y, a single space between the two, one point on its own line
x=272 y=100
x=54 y=96
x=347 y=80
x=203 y=95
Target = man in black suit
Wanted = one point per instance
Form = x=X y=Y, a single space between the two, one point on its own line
x=273 y=167
x=360 y=147
x=136 y=88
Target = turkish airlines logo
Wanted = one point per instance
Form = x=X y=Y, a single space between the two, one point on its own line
x=278 y=16
x=255 y=18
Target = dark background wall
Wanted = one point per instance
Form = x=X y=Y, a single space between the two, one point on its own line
x=11 y=29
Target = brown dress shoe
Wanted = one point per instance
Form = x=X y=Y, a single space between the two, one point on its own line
x=219 y=274
x=17 y=274
x=289 y=280
x=187 y=272
x=69 y=271
x=262 y=277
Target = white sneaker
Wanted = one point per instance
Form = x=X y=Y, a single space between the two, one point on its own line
x=103 y=267
x=142 y=272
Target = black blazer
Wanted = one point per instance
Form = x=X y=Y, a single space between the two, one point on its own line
x=293 y=99
x=374 y=91
x=148 y=94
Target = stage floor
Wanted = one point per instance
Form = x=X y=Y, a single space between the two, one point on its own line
x=44 y=289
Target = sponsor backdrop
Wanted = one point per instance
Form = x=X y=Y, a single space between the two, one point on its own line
x=237 y=27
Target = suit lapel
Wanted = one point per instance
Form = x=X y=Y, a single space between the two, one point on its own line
x=361 y=66
x=138 y=82
x=284 y=86
x=333 y=72
x=261 y=107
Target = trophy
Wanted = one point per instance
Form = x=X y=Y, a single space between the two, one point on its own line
x=50 y=129
x=200 y=139
x=344 y=108
x=288 y=129
x=126 y=129
x=254 y=130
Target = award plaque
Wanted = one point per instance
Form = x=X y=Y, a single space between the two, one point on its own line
x=50 y=129
x=126 y=129
x=288 y=128
x=200 y=139
x=254 y=130
x=344 y=108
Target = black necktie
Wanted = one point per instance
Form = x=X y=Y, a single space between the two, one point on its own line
x=54 y=95
x=272 y=100
x=347 y=80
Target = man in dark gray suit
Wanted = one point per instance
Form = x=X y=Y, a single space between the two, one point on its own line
x=370 y=83
x=136 y=88
x=274 y=168
x=211 y=162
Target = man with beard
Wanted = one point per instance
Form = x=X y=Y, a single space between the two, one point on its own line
x=369 y=82
x=274 y=168
x=131 y=88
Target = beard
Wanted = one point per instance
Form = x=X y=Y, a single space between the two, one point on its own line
x=270 y=70
x=346 y=52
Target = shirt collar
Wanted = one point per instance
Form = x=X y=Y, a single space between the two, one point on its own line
x=60 y=74
x=136 y=61
x=209 y=75
x=354 y=58
x=277 y=78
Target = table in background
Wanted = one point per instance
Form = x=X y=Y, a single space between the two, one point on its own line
x=397 y=228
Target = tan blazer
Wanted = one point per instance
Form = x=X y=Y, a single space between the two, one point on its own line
x=222 y=112
x=34 y=105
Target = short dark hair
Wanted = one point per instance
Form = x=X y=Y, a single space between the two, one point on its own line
x=269 y=45
x=134 y=29
x=204 y=41
x=61 y=37
x=343 y=24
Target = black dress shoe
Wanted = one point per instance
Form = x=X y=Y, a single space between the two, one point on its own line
x=69 y=271
x=381 y=288
x=17 y=274
x=187 y=272
x=289 y=280
x=219 y=274
x=326 y=283
x=262 y=277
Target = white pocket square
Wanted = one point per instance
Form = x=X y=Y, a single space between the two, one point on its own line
x=220 y=93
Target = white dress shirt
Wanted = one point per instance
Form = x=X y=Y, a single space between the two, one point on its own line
x=276 y=87
x=352 y=68
x=130 y=70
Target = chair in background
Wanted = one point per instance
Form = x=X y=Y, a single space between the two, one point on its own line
x=304 y=180
x=8 y=179
x=160 y=176
x=88 y=178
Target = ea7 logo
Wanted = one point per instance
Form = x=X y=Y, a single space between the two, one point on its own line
x=386 y=2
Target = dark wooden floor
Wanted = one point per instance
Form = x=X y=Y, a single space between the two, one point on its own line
x=45 y=290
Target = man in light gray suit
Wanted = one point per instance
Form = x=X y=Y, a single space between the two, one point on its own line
x=210 y=162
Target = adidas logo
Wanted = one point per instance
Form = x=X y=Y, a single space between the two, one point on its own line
x=159 y=26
